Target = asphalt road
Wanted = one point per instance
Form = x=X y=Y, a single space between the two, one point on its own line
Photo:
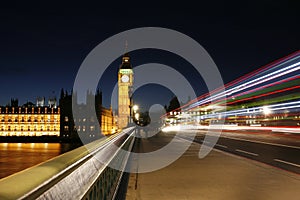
x=218 y=175
x=279 y=150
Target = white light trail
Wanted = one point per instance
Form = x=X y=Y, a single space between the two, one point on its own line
x=255 y=110
x=273 y=75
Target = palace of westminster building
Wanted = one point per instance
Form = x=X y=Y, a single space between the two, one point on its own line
x=52 y=120
x=56 y=118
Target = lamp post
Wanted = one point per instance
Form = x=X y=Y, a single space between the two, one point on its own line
x=135 y=115
x=135 y=108
x=267 y=111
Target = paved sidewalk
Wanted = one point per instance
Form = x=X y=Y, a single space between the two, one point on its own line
x=217 y=176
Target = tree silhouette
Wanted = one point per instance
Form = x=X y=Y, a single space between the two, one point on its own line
x=174 y=104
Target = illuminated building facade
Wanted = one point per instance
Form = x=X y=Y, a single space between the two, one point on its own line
x=125 y=82
x=107 y=121
x=40 y=120
x=29 y=121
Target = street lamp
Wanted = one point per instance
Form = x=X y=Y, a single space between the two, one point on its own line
x=137 y=116
x=135 y=108
x=133 y=112
x=266 y=110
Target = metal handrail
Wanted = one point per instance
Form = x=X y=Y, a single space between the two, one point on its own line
x=34 y=181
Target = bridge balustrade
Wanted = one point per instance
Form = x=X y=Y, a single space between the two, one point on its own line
x=83 y=173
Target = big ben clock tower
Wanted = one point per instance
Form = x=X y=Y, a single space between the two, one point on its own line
x=125 y=82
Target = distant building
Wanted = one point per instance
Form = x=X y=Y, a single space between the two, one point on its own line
x=108 y=125
x=67 y=129
x=28 y=120
x=86 y=126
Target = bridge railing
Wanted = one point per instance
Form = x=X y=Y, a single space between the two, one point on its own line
x=78 y=174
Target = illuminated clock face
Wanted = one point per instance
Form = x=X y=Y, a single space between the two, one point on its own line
x=125 y=78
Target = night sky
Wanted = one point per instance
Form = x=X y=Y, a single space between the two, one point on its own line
x=43 y=45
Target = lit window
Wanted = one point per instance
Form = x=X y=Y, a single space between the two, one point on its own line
x=66 y=128
x=66 y=119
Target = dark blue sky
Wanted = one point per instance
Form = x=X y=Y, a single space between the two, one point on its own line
x=43 y=45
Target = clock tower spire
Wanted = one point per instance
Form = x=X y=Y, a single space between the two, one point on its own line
x=125 y=82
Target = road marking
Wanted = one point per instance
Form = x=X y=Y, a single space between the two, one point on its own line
x=219 y=145
x=246 y=152
x=207 y=142
x=285 y=162
x=260 y=142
